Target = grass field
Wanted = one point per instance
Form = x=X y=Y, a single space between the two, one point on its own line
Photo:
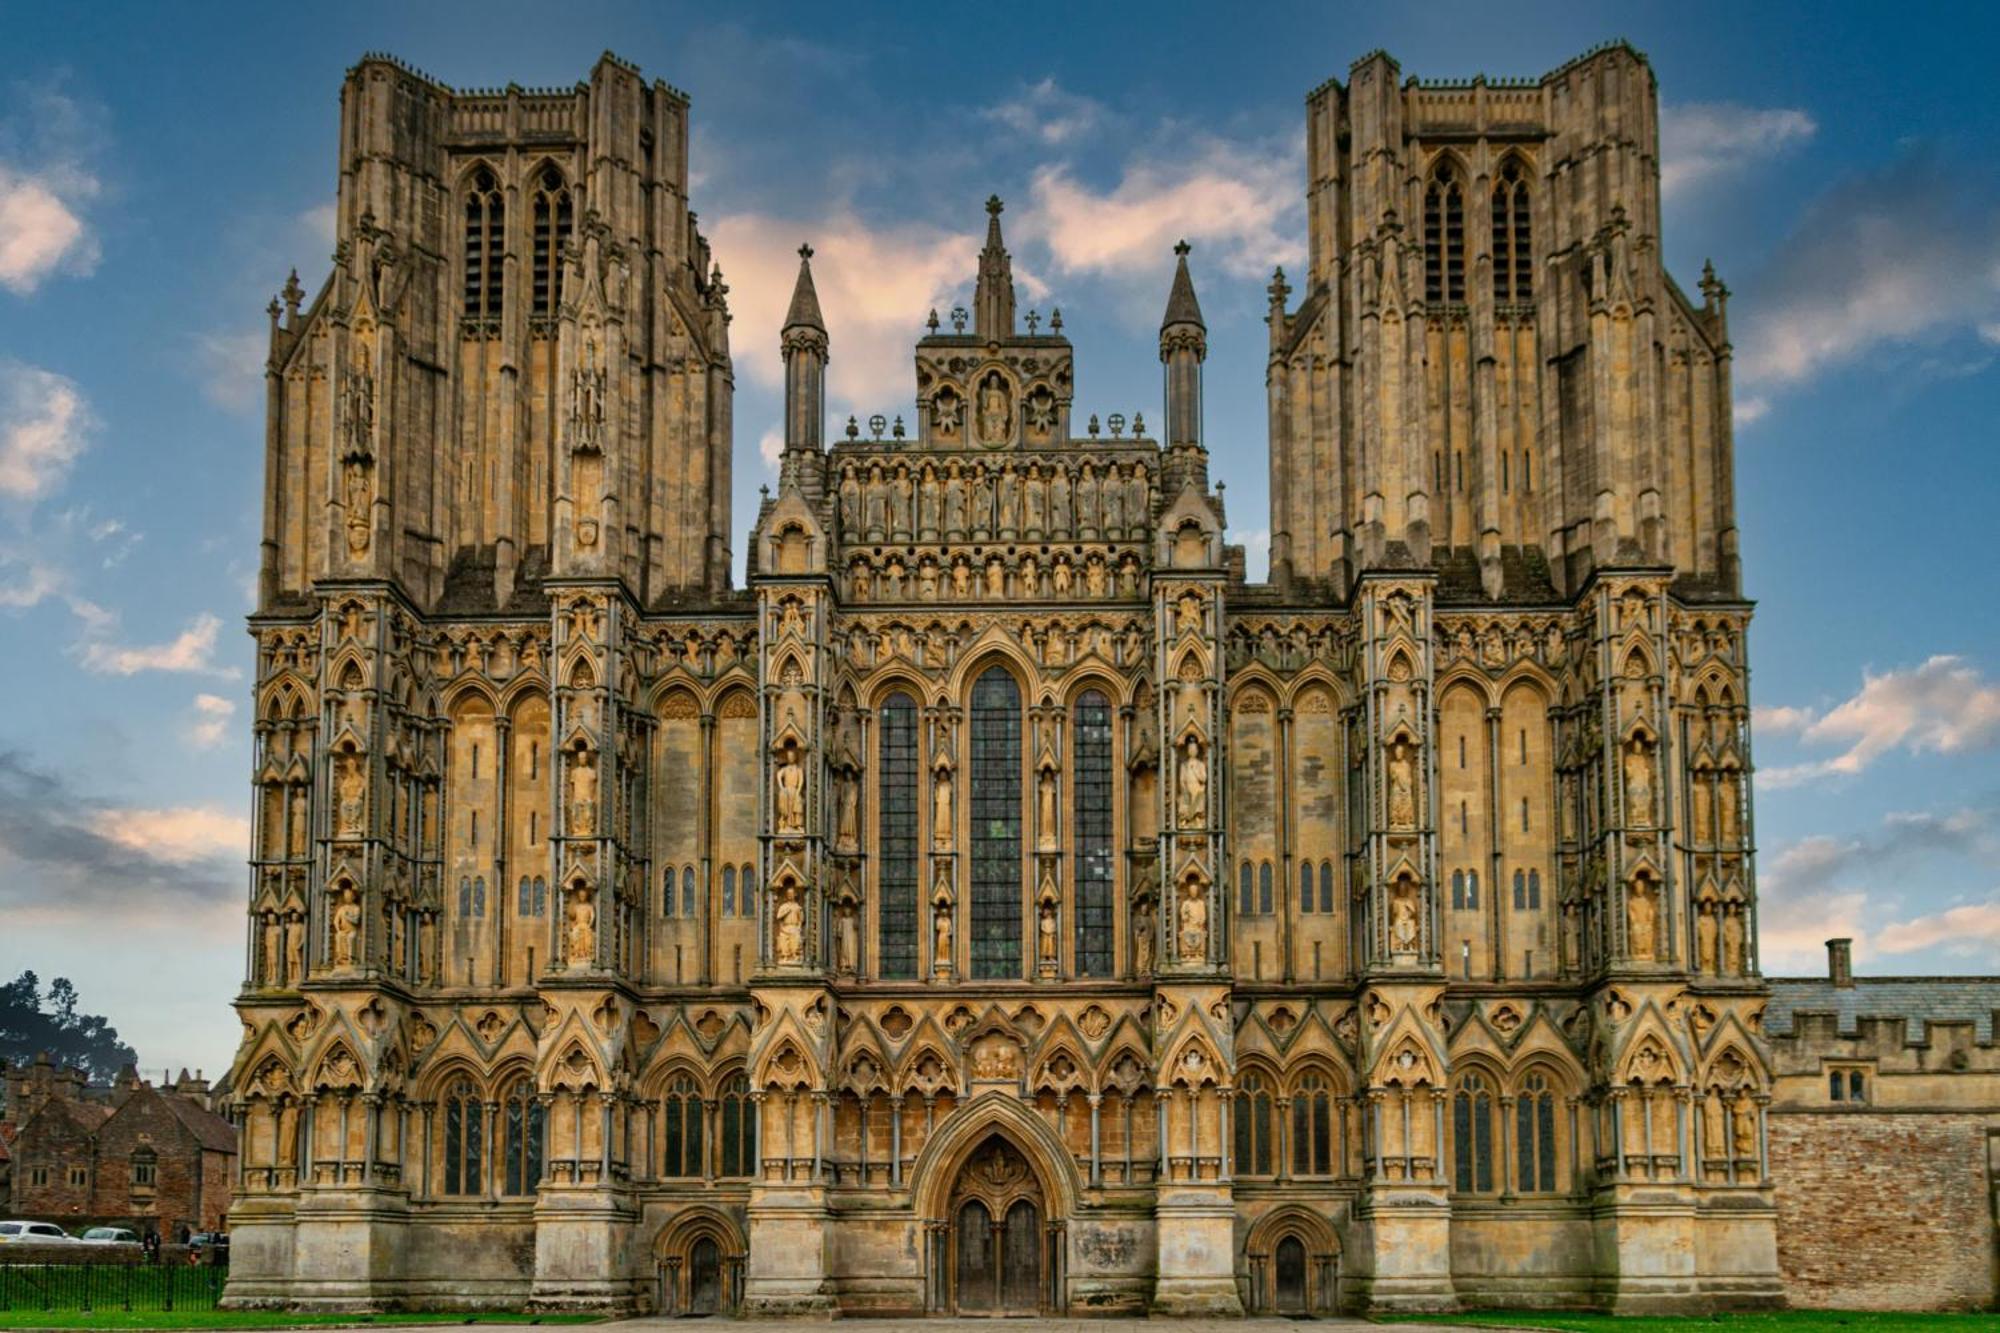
x=256 y=1319
x=1777 y=1321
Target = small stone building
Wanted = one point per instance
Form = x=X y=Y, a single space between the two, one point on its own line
x=1885 y=1138
x=151 y=1158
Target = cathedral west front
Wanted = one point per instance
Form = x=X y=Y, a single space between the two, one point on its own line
x=998 y=903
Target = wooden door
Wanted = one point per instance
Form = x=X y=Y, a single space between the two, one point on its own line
x=978 y=1285
x=704 y=1278
x=1290 y=1276
x=1021 y=1260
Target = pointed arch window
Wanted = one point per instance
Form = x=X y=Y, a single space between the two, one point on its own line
x=552 y=222
x=1326 y=887
x=1472 y=1135
x=1312 y=1127
x=1444 y=237
x=671 y=878
x=739 y=1128
x=1535 y=1135
x=464 y=1138
x=485 y=246
x=1513 y=237
x=1305 y=886
x=680 y=1129
x=1092 y=716
x=687 y=891
x=1253 y=1126
x=526 y=1130
x=729 y=890
x=897 y=888
x=995 y=808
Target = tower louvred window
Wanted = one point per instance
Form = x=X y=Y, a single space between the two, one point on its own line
x=1513 y=237
x=552 y=225
x=485 y=246
x=1444 y=237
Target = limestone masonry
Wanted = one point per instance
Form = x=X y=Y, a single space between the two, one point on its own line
x=1001 y=905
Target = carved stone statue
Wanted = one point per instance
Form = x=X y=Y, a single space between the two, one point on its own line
x=1142 y=937
x=295 y=944
x=1743 y=1124
x=941 y=826
x=1046 y=823
x=788 y=927
x=1714 y=1129
x=351 y=783
x=269 y=944
x=583 y=795
x=1640 y=920
x=1732 y=939
x=346 y=929
x=1193 y=922
x=941 y=937
x=580 y=940
x=791 y=793
x=1705 y=930
x=1086 y=502
x=1045 y=931
x=1403 y=916
x=995 y=410
x=848 y=837
x=288 y=1132
x=846 y=942
x=1639 y=783
x=1193 y=783
x=1402 y=784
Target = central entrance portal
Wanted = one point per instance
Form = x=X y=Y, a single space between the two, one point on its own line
x=998 y=1243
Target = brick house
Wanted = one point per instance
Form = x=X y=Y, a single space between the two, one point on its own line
x=133 y=1154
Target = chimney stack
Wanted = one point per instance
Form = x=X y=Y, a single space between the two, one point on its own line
x=1840 y=962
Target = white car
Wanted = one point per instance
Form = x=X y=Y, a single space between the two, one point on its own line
x=34 y=1233
x=109 y=1236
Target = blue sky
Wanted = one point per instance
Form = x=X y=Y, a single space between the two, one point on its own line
x=162 y=167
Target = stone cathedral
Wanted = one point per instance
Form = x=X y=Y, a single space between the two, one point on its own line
x=1000 y=904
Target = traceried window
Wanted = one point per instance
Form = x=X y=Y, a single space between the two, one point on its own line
x=551 y=229
x=1253 y=1126
x=687 y=891
x=1246 y=879
x=485 y=246
x=1264 y=905
x=1472 y=1135
x=667 y=889
x=739 y=1128
x=746 y=901
x=1093 y=835
x=898 y=851
x=729 y=890
x=1513 y=237
x=534 y=896
x=1312 y=1127
x=523 y=1119
x=680 y=1129
x=1305 y=886
x=1535 y=1135
x=995 y=808
x=1444 y=237
x=1326 y=887
x=464 y=1139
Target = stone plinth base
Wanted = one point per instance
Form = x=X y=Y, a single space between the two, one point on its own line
x=1197 y=1298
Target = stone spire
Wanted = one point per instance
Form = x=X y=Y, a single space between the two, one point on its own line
x=1183 y=347
x=993 y=300
x=804 y=344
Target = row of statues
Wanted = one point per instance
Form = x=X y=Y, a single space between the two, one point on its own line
x=954 y=501
x=1055 y=576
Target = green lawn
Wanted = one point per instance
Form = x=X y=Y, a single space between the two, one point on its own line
x=257 y=1319
x=1780 y=1321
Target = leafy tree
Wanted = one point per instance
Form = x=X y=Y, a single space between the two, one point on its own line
x=31 y=1023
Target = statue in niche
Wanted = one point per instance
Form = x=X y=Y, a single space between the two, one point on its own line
x=1701 y=809
x=996 y=578
x=848 y=836
x=1187 y=614
x=269 y=933
x=1732 y=938
x=1138 y=499
x=941 y=809
x=1573 y=933
x=927 y=502
x=982 y=500
x=1086 y=502
x=1403 y=915
x=1743 y=1123
x=901 y=494
x=846 y=946
x=954 y=502
x=1062 y=578
x=1705 y=931
x=1046 y=823
x=346 y=929
x=583 y=795
x=995 y=409
x=1728 y=808
x=791 y=793
x=1041 y=412
x=1714 y=1129
x=850 y=503
x=961 y=579
x=1639 y=782
x=1640 y=920
x=788 y=926
x=941 y=936
x=1045 y=931
x=946 y=414
x=1113 y=501
x=356 y=471
x=287 y=1131
x=1007 y=492
x=295 y=945
x=1095 y=580
x=350 y=793
x=1193 y=780
x=586 y=403
x=580 y=939
x=1033 y=500
x=1402 y=784
x=1193 y=921
x=1059 y=521
x=1142 y=937
x=875 y=500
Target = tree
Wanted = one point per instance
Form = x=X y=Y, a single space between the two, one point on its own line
x=31 y=1024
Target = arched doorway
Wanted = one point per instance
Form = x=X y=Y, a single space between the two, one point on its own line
x=1288 y=1276
x=1293 y=1258
x=999 y=1247
x=704 y=1277
x=699 y=1264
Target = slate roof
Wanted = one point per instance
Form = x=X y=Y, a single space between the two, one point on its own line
x=210 y=1130
x=1917 y=1001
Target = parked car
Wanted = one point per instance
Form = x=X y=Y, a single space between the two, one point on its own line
x=208 y=1247
x=109 y=1236
x=34 y=1233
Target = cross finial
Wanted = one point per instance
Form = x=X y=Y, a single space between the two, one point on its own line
x=1182 y=248
x=993 y=204
x=805 y=252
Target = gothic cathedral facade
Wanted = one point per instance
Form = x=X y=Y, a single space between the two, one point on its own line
x=1001 y=904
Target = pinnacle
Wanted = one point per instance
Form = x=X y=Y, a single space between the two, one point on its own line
x=1182 y=307
x=804 y=312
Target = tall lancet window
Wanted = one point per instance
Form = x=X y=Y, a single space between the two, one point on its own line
x=485 y=245
x=551 y=230
x=1093 y=834
x=897 y=891
x=1444 y=237
x=994 y=804
x=1513 y=237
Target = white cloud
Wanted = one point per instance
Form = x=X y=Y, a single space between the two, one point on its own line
x=1047 y=112
x=1943 y=706
x=192 y=650
x=1256 y=552
x=177 y=836
x=232 y=368
x=1907 y=254
x=1705 y=142
x=1968 y=930
x=875 y=286
x=1241 y=202
x=1749 y=409
x=209 y=725
x=44 y=425
x=771 y=447
x=44 y=184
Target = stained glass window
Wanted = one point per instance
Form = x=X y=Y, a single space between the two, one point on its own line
x=1513 y=237
x=524 y=1116
x=1093 y=835
x=485 y=228
x=739 y=1129
x=1444 y=238
x=1535 y=1135
x=464 y=1139
x=899 y=875
x=1253 y=1126
x=680 y=1129
x=1472 y=1136
x=995 y=806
